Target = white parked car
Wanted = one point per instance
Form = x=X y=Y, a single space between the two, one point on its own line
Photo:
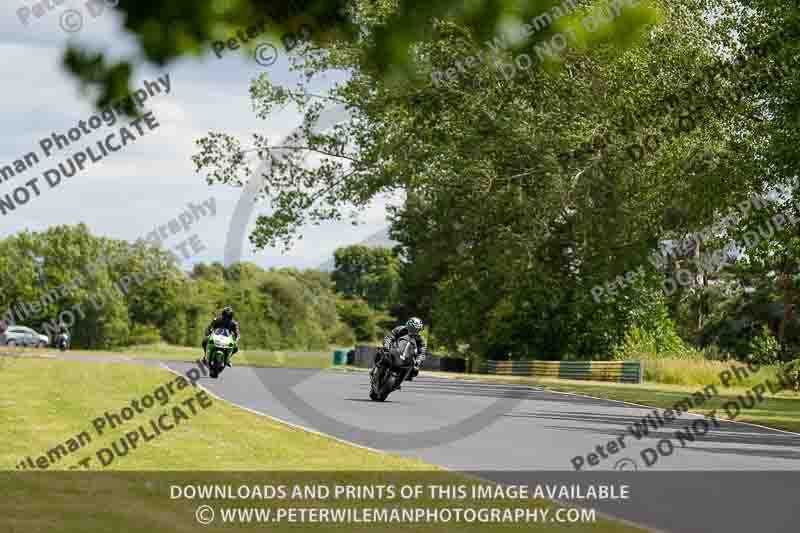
x=23 y=336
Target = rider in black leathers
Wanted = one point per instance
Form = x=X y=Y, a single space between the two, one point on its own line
x=411 y=328
x=225 y=320
x=62 y=331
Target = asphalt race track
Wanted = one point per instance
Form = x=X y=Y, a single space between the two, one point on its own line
x=735 y=477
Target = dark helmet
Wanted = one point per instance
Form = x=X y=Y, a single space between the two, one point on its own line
x=227 y=312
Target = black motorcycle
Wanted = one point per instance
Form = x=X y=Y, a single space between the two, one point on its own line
x=392 y=367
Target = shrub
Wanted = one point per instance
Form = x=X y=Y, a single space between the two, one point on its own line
x=637 y=344
x=144 y=334
x=791 y=371
x=642 y=344
x=342 y=335
x=713 y=352
x=360 y=317
x=765 y=349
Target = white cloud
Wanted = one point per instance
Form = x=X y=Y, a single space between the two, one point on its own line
x=150 y=181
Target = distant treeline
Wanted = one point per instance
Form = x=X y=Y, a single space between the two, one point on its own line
x=113 y=293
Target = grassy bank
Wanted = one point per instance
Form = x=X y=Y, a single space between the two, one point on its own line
x=780 y=411
x=262 y=358
x=702 y=372
x=47 y=402
x=167 y=352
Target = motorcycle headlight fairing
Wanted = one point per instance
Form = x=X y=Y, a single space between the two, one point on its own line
x=220 y=343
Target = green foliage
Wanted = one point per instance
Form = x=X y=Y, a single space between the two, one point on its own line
x=367 y=273
x=765 y=349
x=654 y=319
x=133 y=294
x=715 y=353
x=387 y=32
x=342 y=335
x=144 y=334
x=294 y=312
x=501 y=237
x=791 y=372
x=360 y=317
x=641 y=344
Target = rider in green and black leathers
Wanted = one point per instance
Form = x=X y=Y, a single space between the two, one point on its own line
x=225 y=320
x=411 y=328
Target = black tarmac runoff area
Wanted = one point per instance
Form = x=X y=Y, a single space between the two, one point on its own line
x=690 y=474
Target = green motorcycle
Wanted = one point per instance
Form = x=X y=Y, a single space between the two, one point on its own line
x=220 y=345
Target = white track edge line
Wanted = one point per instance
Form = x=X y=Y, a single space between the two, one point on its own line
x=280 y=420
x=688 y=412
x=544 y=389
x=465 y=474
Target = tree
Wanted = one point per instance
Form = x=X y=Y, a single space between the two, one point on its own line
x=361 y=319
x=493 y=215
x=779 y=105
x=367 y=273
x=525 y=188
x=166 y=33
x=113 y=293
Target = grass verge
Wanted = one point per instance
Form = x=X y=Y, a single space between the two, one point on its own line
x=44 y=403
x=161 y=351
x=260 y=358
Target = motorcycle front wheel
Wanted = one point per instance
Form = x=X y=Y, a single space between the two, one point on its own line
x=387 y=387
x=216 y=366
x=381 y=384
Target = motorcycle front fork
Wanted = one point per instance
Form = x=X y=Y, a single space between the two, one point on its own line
x=374 y=376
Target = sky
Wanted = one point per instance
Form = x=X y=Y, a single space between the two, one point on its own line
x=151 y=181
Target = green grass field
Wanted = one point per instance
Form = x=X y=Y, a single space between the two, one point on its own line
x=261 y=358
x=167 y=352
x=45 y=403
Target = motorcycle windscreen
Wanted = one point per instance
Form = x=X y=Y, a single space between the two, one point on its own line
x=402 y=346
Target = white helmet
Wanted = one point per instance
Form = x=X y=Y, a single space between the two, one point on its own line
x=414 y=325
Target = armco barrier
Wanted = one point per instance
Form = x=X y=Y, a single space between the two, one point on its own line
x=365 y=356
x=452 y=364
x=619 y=371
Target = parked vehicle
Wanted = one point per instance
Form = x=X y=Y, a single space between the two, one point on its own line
x=23 y=336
